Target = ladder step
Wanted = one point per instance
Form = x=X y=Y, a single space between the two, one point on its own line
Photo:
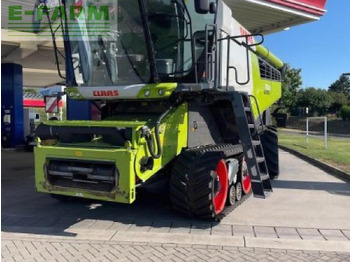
x=267 y=192
x=264 y=176
x=252 y=146
x=256 y=142
x=260 y=159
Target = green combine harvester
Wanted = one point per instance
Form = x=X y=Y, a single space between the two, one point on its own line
x=183 y=93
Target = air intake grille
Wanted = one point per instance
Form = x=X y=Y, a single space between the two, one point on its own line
x=99 y=176
x=267 y=71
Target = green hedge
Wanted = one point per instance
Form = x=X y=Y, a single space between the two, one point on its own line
x=345 y=113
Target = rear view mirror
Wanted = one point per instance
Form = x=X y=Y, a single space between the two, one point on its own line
x=212 y=8
x=201 y=6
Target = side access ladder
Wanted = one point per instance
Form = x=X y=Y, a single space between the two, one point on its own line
x=253 y=150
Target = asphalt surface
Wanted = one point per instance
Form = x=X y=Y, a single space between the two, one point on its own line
x=308 y=211
x=312 y=133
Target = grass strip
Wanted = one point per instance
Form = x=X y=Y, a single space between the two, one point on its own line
x=337 y=153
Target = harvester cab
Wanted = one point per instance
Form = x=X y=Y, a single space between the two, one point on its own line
x=183 y=92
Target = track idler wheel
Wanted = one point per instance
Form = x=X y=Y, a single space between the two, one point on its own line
x=231 y=196
x=239 y=191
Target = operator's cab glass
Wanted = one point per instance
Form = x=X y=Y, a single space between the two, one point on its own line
x=110 y=51
x=170 y=30
x=109 y=46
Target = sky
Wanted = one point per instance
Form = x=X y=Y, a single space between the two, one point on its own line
x=321 y=48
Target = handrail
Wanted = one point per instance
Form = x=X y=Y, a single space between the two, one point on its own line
x=211 y=57
x=212 y=68
x=248 y=48
x=257 y=107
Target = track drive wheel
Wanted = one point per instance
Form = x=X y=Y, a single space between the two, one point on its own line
x=245 y=178
x=199 y=180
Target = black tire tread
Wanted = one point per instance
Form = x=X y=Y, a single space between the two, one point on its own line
x=269 y=141
x=191 y=178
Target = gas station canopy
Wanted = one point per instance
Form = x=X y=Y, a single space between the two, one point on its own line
x=258 y=16
x=269 y=16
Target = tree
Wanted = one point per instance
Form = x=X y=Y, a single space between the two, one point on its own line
x=339 y=100
x=30 y=91
x=345 y=113
x=291 y=84
x=317 y=100
x=342 y=85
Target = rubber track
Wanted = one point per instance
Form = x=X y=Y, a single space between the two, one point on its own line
x=189 y=190
x=269 y=140
x=229 y=209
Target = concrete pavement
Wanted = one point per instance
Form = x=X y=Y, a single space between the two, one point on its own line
x=38 y=250
x=309 y=210
x=304 y=197
x=53 y=250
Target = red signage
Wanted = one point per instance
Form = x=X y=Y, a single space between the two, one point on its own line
x=51 y=104
x=315 y=7
x=244 y=33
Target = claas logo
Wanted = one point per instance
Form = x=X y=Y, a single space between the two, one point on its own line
x=109 y=93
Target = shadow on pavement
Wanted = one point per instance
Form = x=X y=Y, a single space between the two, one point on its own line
x=26 y=211
x=331 y=187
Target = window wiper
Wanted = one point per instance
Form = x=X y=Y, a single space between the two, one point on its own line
x=53 y=35
x=107 y=62
x=149 y=42
x=131 y=63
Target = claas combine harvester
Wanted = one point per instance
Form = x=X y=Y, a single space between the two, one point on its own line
x=183 y=93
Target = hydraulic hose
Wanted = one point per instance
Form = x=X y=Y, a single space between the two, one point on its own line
x=150 y=145
x=148 y=136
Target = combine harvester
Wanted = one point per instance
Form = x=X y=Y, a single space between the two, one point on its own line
x=183 y=91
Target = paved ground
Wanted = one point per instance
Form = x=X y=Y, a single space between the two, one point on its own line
x=36 y=250
x=309 y=210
